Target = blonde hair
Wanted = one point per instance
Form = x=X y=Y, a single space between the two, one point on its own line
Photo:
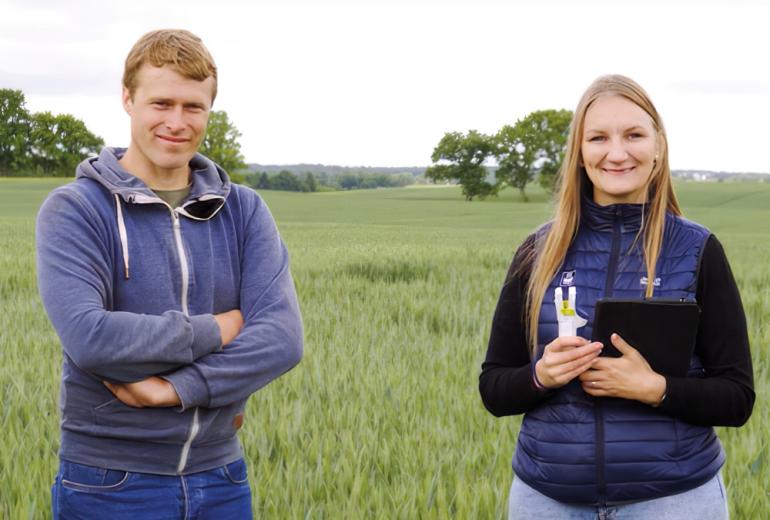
x=179 y=49
x=551 y=249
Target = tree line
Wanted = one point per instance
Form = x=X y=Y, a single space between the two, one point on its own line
x=44 y=144
x=286 y=180
x=41 y=143
x=533 y=148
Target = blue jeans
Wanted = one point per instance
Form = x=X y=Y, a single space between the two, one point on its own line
x=86 y=492
x=706 y=502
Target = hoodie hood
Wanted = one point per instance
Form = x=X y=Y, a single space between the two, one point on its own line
x=210 y=188
x=209 y=181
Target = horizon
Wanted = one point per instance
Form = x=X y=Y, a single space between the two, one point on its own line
x=315 y=164
x=375 y=82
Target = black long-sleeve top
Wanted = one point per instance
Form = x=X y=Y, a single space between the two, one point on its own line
x=723 y=397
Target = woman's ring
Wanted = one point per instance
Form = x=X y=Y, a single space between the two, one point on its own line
x=593 y=383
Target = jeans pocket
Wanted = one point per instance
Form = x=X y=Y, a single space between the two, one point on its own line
x=236 y=472
x=90 y=479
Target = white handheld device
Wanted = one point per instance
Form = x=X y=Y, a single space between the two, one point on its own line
x=566 y=314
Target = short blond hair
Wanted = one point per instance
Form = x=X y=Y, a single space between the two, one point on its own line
x=181 y=50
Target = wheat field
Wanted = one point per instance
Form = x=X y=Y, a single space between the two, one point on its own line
x=382 y=418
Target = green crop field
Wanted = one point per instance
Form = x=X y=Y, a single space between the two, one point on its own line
x=382 y=419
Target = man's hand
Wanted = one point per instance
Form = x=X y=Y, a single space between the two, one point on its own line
x=152 y=392
x=629 y=376
x=230 y=325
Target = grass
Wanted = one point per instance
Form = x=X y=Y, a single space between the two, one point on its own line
x=382 y=418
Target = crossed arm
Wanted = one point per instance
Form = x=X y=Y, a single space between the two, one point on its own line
x=168 y=359
x=156 y=392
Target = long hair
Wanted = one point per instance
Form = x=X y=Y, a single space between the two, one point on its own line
x=550 y=251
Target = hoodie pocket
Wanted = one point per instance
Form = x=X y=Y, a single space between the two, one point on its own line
x=118 y=420
x=219 y=424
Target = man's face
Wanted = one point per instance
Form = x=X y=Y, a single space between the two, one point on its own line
x=169 y=114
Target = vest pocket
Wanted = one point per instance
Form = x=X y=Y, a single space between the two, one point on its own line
x=118 y=420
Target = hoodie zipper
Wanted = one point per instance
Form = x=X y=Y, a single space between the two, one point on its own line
x=182 y=260
x=609 y=285
x=185 y=285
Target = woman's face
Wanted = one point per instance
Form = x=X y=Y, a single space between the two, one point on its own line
x=618 y=149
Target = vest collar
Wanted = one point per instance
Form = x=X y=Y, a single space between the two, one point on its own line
x=602 y=218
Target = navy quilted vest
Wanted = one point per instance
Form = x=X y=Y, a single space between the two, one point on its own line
x=579 y=449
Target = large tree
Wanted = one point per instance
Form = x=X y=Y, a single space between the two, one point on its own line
x=221 y=142
x=514 y=158
x=461 y=158
x=553 y=128
x=14 y=131
x=41 y=143
x=533 y=147
x=57 y=143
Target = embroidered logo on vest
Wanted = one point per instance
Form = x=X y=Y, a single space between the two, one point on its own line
x=643 y=281
x=567 y=278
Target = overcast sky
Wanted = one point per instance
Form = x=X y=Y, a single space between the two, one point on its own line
x=379 y=82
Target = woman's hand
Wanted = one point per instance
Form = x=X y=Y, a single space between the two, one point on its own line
x=564 y=359
x=629 y=376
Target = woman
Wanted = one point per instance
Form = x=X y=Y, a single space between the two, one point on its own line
x=607 y=436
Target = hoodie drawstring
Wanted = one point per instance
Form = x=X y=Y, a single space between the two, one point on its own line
x=123 y=234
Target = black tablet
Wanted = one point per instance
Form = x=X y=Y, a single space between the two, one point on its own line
x=662 y=330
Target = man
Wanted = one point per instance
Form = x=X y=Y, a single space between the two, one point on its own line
x=170 y=290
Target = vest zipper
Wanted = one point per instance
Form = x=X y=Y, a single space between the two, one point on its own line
x=185 y=286
x=612 y=267
x=609 y=286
